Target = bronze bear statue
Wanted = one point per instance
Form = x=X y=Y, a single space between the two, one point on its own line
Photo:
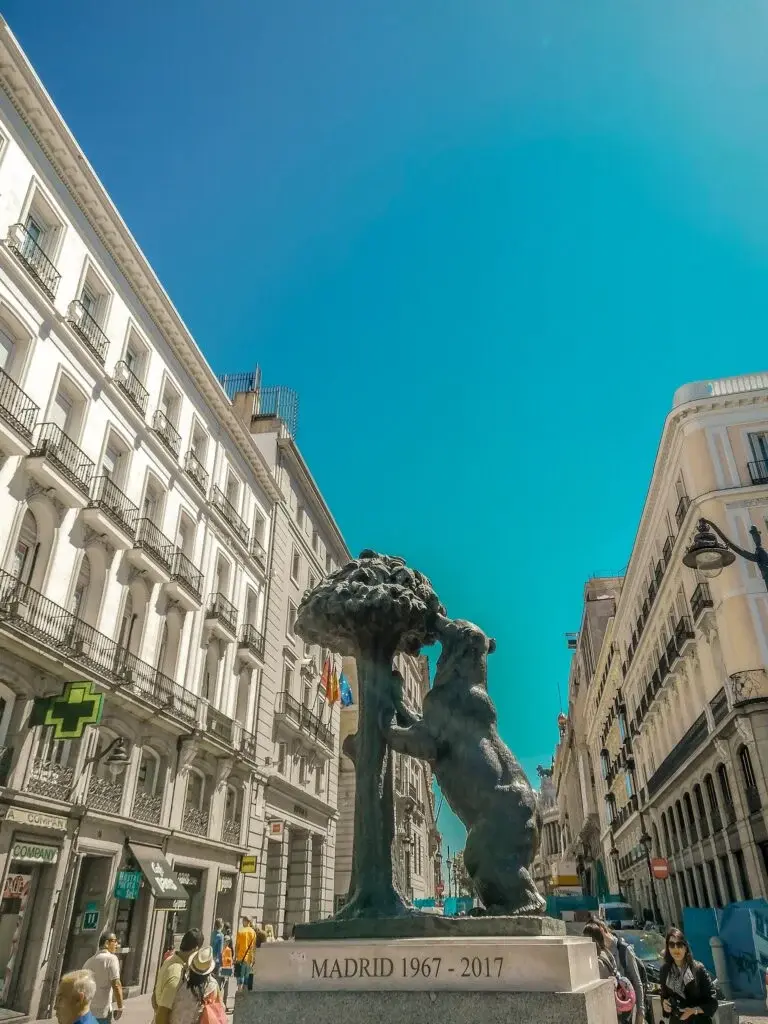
x=478 y=775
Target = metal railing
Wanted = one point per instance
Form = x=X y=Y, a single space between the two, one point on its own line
x=16 y=407
x=23 y=245
x=107 y=496
x=221 y=503
x=268 y=403
x=50 y=779
x=224 y=611
x=230 y=831
x=719 y=706
x=27 y=612
x=219 y=724
x=758 y=472
x=248 y=745
x=105 y=794
x=682 y=508
x=683 y=631
x=196 y=470
x=293 y=710
x=62 y=452
x=666 y=552
x=167 y=433
x=186 y=573
x=88 y=329
x=147 y=807
x=700 y=600
x=152 y=540
x=687 y=746
x=258 y=552
x=131 y=386
x=251 y=638
x=195 y=821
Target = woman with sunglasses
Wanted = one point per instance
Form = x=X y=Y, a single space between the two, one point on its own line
x=687 y=990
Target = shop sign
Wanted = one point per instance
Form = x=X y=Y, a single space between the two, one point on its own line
x=38 y=819
x=189 y=881
x=275 y=830
x=90 y=917
x=170 y=904
x=166 y=887
x=128 y=885
x=78 y=706
x=225 y=883
x=249 y=864
x=34 y=853
x=16 y=887
x=660 y=867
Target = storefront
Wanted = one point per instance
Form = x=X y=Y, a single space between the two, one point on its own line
x=171 y=898
x=225 y=900
x=193 y=880
x=25 y=906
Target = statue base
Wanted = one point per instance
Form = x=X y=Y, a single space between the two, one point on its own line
x=424 y=926
x=539 y=979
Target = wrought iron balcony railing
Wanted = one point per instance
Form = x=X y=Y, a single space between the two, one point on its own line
x=16 y=407
x=219 y=724
x=682 y=509
x=302 y=716
x=230 y=831
x=62 y=452
x=147 y=807
x=88 y=329
x=34 y=259
x=683 y=631
x=186 y=573
x=151 y=539
x=251 y=638
x=105 y=794
x=167 y=433
x=195 y=821
x=131 y=386
x=258 y=552
x=669 y=545
x=701 y=599
x=221 y=502
x=758 y=472
x=107 y=496
x=196 y=471
x=49 y=779
x=223 y=610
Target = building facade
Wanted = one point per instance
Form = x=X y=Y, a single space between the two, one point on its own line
x=151 y=546
x=417 y=854
x=679 y=698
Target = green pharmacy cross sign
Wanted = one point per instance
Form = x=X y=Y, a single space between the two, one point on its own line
x=79 y=706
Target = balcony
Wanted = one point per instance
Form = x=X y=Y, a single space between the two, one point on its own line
x=104 y=795
x=221 y=618
x=666 y=552
x=251 y=645
x=195 y=821
x=672 y=653
x=51 y=780
x=701 y=599
x=34 y=260
x=258 y=553
x=196 y=471
x=55 y=461
x=719 y=706
x=147 y=807
x=110 y=512
x=25 y=611
x=218 y=724
x=684 y=633
x=167 y=433
x=685 y=749
x=222 y=504
x=682 y=510
x=230 y=831
x=152 y=552
x=754 y=804
x=302 y=719
x=186 y=582
x=88 y=330
x=18 y=415
x=663 y=667
x=658 y=573
x=758 y=472
x=131 y=386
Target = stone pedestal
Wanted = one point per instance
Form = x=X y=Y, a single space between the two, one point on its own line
x=450 y=979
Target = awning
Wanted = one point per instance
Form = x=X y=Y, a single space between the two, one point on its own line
x=168 y=891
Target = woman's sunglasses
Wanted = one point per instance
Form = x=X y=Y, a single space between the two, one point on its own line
x=674 y=944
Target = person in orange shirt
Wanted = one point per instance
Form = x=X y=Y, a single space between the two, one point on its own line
x=245 y=945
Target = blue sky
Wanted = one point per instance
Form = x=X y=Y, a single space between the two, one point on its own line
x=484 y=241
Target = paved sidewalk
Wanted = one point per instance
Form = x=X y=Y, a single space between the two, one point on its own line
x=138 y=1010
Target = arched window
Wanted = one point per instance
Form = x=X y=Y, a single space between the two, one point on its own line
x=681 y=824
x=665 y=830
x=725 y=790
x=25 y=552
x=195 y=788
x=689 y=814
x=750 y=780
x=709 y=785
x=699 y=798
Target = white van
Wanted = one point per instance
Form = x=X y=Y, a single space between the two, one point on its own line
x=616 y=915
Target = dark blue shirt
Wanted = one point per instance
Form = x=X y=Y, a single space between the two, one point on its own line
x=217 y=943
x=87 y=1018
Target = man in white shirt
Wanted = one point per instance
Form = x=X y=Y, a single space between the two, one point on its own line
x=105 y=968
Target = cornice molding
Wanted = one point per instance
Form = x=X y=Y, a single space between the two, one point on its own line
x=36 y=109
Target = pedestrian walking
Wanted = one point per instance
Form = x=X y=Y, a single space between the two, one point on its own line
x=217 y=943
x=624 y=994
x=170 y=974
x=687 y=990
x=73 y=998
x=629 y=966
x=107 y=1004
x=227 y=967
x=197 y=999
x=244 y=948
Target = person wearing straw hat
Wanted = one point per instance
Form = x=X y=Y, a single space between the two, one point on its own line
x=198 y=1000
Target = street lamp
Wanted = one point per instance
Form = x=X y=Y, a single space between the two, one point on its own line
x=646 y=842
x=614 y=855
x=710 y=556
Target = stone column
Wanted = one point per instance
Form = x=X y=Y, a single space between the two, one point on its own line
x=299 y=880
x=218 y=805
x=276 y=882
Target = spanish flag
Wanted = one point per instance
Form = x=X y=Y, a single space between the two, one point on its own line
x=335 y=693
x=325 y=679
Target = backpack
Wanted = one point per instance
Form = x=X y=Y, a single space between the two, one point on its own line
x=213 y=1011
x=624 y=994
x=626 y=950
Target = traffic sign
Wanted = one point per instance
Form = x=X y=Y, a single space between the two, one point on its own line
x=660 y=867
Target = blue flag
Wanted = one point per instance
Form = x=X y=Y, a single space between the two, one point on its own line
x=347 y=700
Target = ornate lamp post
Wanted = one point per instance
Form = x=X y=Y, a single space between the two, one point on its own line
x=614 y=855
x=710 y=556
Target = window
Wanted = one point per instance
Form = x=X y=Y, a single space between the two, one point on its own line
x=185 y=535
x=7 y=346
x=628 y=784
x=622 y=726
x=328 y=563
x=725 y=786
x=281 y=758
x=170 y=403
x=26 y=547
x=295 y=567
x=315 y=539
x=750 y=782
x=232 y=490
x=320 y=779
x=135 y=357
x=728 y=878
x=307 y=695
x=300 y=516
x=311 y=582
x=151 y=507
x=80 y=593
x=259 y=527
x=303 y=770
x=605 y=763
x=741 y=870
x=63 y=409
x=759 y=444
x=287 y=677
x=199 y=444
x=290 y=625
x=709 y=785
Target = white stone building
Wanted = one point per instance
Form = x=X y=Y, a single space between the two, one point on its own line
x=152 y=544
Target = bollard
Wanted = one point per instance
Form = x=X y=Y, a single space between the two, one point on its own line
x=721 y=967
